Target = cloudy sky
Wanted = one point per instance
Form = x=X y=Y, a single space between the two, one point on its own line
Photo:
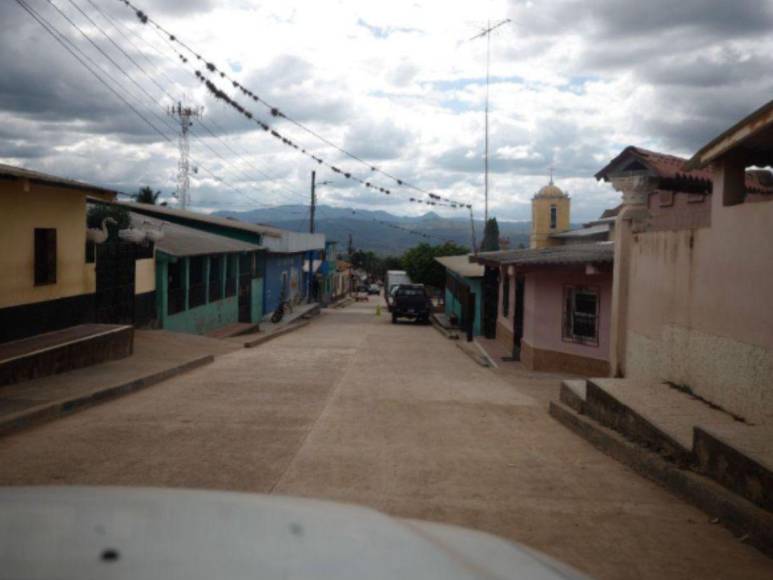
x=397 y=83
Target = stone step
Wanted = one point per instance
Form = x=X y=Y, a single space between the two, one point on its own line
x=643 y=414
x=740 y=457
x=683 y=430
x=573 y=393
x=746 y=519
x=63 y=350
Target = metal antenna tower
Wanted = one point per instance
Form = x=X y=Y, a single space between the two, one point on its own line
x=487 y=33
x=184 y=116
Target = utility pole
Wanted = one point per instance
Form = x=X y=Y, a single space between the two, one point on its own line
x=487 y=33
x=313 y=201
x=184 y=116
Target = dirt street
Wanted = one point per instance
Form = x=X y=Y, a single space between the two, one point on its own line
x=395 y=417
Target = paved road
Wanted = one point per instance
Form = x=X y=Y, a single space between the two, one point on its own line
x=397 y=418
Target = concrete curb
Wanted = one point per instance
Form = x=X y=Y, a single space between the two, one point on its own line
x=64 y=407
x=471 y=352
x=295 y=325
x=449 y=334
x=749 y=522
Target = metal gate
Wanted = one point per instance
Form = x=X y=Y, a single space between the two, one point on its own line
x=115 y=282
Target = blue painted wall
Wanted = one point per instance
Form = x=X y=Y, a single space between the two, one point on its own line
x=454 y=307
x=276 y=264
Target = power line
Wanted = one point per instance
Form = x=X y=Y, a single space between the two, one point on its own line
x=202 y=122
x=275 y=112
x=62 y=39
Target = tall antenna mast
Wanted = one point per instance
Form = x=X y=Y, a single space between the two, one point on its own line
x=472 y=233
x=184 y=116
x=487 y=33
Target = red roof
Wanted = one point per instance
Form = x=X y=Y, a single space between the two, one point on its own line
x=671 y=167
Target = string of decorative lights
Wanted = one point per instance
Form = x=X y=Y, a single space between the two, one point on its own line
x=202 y=122
x=144 y=18
x=93 y=69
x=163 y=121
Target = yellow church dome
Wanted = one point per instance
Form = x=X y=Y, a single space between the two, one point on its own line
x=550 y=190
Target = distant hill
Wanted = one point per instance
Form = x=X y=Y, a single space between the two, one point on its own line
x=370 y=235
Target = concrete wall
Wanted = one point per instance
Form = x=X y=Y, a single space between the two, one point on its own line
x=699 y=312
x=543 y=317
x=276 y=265
x=544 y=308
x=204 y=318
x=42 y=207
x=207 y=317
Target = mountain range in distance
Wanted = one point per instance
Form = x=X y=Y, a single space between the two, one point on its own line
x=372 y=231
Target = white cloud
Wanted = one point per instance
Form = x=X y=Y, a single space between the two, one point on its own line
x=397 y=83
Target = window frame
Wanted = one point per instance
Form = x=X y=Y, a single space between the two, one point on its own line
x=568 y=315
x=553 y=217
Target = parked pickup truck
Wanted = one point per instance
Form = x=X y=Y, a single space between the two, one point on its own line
x=411 y=301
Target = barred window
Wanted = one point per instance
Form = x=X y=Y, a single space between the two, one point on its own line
x=581 y=315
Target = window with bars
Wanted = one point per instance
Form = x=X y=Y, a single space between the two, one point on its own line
x=230 y=275
x=45 y=256
x=581 y=315
x=215 y=274
x=553 y=217
x=197 y=289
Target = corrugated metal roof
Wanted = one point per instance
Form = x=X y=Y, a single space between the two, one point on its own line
x=461 y=265
x=11 y=172
x=569 y=254
x=163 y=211
x=588 y=231
x=184 y=241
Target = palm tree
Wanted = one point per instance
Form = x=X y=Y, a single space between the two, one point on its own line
x=146 y=195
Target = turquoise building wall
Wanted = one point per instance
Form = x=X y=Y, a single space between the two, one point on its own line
x=206 y=317
x=452 y=305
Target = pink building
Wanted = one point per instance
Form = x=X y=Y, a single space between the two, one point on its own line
x=552 y=304
x=694 y=269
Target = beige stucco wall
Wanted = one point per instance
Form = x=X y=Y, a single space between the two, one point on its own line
x=145 y=275
x=699 y=309
x=24 y=208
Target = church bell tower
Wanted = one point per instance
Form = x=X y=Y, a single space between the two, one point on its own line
x=549 y=215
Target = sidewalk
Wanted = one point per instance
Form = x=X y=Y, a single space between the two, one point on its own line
x=158 y=355
x=269 y=330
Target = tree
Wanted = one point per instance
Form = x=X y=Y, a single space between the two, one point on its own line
x=421 y=266
x=490 y=236
x=146 y=195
